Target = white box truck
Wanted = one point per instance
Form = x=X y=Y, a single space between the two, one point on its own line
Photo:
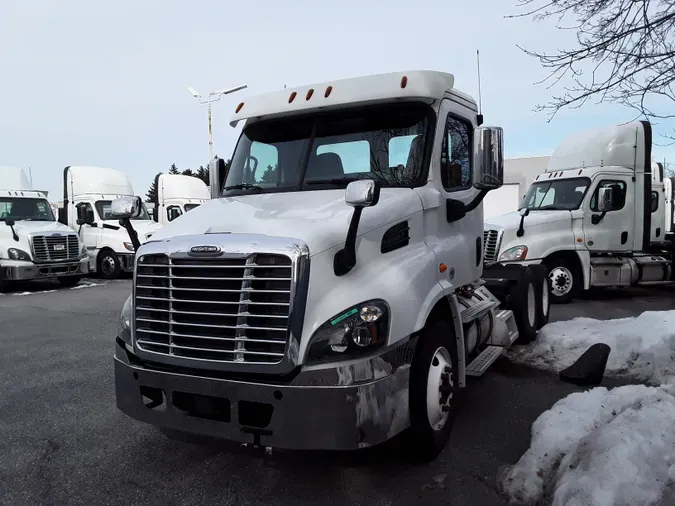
x=599 y=216
x=331 y=294
x=33 y=245
x=87 y=194
x=176 y=195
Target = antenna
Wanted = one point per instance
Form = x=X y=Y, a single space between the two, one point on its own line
x=479 y=118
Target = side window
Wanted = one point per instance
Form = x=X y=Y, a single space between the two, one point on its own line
x=262 y=165
x=5 y=209
x=619 y=192
x=655 y=201
x=173 y=212
x=456 y=155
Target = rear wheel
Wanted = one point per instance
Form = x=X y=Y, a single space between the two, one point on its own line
x=523 y=303
x=69 y=281
x=432 y=393
x=566 y=279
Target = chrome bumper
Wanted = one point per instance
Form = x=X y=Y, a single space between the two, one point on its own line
x=14 y=270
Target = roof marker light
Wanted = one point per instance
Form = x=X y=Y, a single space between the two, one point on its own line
x=239 y=107
x=404 y=81
x=292 y=97
x=310 y=92
x=328 y=90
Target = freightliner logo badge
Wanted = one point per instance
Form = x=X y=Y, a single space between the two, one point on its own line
x=205 y=250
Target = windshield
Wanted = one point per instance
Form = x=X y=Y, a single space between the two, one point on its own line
x=190 y=207
x=386 y=143
x=561 y=194
x=13 y=208
x=103 y=208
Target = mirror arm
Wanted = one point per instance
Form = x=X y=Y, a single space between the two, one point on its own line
x=10 y=224
x=126 y=223
x=521 y=229
x=597 y=218
x=476 y=201
x=345 y=259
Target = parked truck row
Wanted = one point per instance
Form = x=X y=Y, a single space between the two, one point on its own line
x=332 y=292
x=601 y=215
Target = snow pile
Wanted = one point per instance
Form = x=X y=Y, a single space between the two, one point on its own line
x=86 y=285
x=600 y=448
x=643 y=348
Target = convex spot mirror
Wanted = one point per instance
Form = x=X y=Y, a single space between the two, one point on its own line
x=126 y=208
x=488 y=158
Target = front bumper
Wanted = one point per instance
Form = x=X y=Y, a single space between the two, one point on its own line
x=341 y=408
x=14 y=270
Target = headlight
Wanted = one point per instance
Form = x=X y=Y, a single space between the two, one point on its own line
x=513 y=254
x=124 y=322
x=129 y=246
x=357 y=330
x=18 y=254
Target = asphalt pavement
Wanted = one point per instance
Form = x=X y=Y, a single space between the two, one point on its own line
x=64 y=442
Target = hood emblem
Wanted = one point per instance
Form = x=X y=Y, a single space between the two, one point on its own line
x=205 y=250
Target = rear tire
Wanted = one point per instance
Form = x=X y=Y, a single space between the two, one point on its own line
x=543 y=294
x=433 y=391
x=69 y=281
x=566 y=279
x=108 y=265
x=523 y=302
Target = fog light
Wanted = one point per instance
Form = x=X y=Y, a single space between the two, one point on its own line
x=362 y=336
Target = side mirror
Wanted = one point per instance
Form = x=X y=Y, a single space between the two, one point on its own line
x=605 y=199
x=126 y=208
x=363 y=193
x=217 y=176
x=488 y=158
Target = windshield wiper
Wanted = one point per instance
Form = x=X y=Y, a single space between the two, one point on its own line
x=342 y=180
x=244 y=186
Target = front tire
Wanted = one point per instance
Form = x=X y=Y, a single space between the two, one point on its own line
x=524 y=303
x=566 y=279
x=69 y=281
x=433 y=391
x=109 y=265
x=543 y=285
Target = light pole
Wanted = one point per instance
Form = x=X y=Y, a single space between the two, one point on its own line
x=210 y=98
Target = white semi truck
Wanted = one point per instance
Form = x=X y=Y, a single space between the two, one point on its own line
x=33 y=245
x=332 y=293
x=600 y=215
x=177 y=194
x=87 y=195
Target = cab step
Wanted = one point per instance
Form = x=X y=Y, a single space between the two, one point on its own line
x=486 y=358
x=478 y=310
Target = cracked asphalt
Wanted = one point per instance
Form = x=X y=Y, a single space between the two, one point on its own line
x=64 y=442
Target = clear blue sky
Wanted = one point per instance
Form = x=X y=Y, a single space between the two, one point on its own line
x=95 y=83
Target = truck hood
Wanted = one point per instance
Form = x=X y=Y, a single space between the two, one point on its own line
x=511 y=221
x=23 y=229
x=320 y=218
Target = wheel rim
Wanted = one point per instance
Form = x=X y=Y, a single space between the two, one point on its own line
x=108 y=265
x=440 y=383
x=531 y=305
x=544 y=298
x=561 y=281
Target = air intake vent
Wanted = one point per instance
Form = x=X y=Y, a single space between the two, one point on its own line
x=396 y=237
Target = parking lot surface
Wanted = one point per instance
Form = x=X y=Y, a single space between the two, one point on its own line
x=64 y=442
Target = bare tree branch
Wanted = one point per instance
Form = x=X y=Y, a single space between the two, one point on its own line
x=624 y=53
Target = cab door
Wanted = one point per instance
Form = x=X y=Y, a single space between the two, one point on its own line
x=613 y=230
x=89 y=233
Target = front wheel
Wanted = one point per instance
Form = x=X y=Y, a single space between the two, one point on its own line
x=566 y=279
x=69 y=281
x=109 y=265
x=432 y=393
x=543 y=294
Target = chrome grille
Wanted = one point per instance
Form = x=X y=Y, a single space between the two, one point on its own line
x=491 y=249
x=54 y=248
x=224 y=310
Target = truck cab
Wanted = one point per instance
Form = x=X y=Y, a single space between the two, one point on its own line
x=331 y=294
x=87 y=196
x=33 y=245
x=594 y=218
x=176 y=195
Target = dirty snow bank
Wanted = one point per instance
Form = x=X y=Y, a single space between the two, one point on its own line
x=643 y=348
x=600 y=448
